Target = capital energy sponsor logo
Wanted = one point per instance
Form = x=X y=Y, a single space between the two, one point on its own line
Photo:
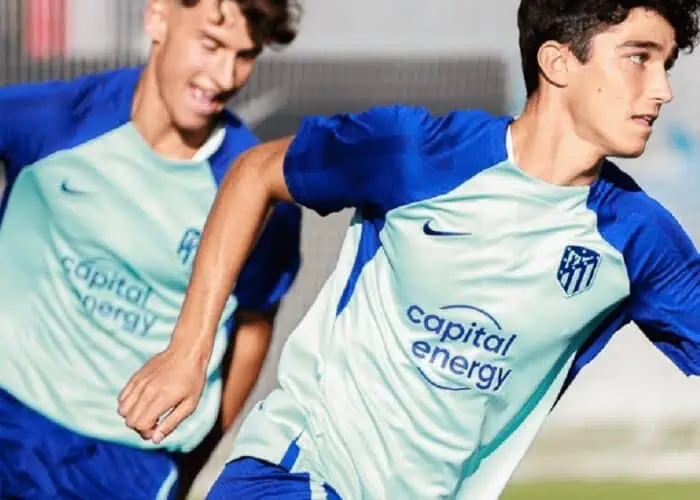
x=110 y=294
x=465 y=348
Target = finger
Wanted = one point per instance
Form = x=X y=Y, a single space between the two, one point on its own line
x=172 y=420
x=135 y=382
x=127 y=389
x=147 y=432
x=135 y=379
x=136 y=406
x=133 y=394
x=152 y=406
x=147 y=435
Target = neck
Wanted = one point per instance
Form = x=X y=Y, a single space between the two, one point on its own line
x=155 y=124
x=546 y=146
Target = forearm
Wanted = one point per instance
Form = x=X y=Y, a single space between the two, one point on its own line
x=234 y=222
x=251 y=344
x=166 y=390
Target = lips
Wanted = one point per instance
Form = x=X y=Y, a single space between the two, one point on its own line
x=645 y=120
x=204 y=101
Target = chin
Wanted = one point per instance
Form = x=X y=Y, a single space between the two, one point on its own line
x=629 y=150
x=194 y=124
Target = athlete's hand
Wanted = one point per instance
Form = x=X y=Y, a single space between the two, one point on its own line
x=164 y=392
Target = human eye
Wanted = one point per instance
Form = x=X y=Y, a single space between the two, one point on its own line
x=639 y=59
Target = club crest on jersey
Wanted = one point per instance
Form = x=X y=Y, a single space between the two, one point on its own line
x=188 y=245
x=577 y=269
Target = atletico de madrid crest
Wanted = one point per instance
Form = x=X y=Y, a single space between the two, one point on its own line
x=578 y=269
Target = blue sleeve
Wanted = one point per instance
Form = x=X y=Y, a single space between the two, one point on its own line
x=272 y=267
x=379 y=159
x=14 y=108
x=29 y=116
x=664 y=302
x=5 y=128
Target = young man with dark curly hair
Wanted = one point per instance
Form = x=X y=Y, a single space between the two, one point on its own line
x=490 y=259
x=110 y=179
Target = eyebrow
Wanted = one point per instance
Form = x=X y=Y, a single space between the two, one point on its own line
x=643 y=44
x=653 y=46
x=252 y=50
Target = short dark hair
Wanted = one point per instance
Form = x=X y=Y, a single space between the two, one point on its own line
x=576 y=22
x=270 y=22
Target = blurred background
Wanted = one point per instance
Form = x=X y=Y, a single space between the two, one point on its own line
x=630 y=425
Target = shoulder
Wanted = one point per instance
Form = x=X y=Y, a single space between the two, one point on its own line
x=400 y=119
x=70 y=99
x=641 y=228
x=617 y=195
x=399 y=133
x=390 y=156
x=43 y=118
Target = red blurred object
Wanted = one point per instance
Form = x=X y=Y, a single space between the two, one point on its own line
x=45 y=28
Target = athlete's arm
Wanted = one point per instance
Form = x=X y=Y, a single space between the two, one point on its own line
x=267 y=276
x=364 y=160
x=665 y=292
x=11 y=124
x=5 y=126
x=245 y=358
x=174 y=379
x=250 y=347
x=32 y=117
x=265 y=279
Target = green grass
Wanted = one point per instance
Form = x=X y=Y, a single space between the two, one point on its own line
x=604 y=491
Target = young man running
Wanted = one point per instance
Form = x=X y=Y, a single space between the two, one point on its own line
x=110 y=179
x=489 y=260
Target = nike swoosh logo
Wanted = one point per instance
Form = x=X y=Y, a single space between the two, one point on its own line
x=435 y=232
x=67 y=189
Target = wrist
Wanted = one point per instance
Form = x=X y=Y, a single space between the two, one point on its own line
x=198 y=348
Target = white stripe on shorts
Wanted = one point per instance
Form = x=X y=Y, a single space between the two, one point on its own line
x=167 y=485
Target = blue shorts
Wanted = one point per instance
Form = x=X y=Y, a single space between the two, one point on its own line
x=42 y=460
x=255 y=479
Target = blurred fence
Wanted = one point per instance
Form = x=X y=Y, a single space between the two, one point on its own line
x=630 y=415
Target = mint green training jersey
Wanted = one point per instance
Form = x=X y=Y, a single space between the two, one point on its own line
x=466 y=296
x=97 y=238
